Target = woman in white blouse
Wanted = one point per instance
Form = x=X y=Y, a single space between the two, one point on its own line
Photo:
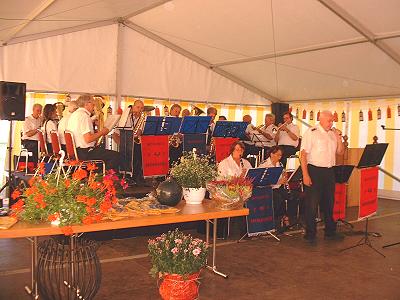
x=49 y=124
x=234 y=164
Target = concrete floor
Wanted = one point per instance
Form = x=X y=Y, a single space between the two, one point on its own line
x=259 y=268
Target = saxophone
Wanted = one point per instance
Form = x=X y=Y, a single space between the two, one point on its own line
x=175 y=140
x=139 y=125
x=98 y=112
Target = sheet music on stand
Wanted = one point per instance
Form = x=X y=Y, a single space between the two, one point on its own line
x=157 y=125
x=372 y=155
x=230 y=129
x=194 y=124
x=264 y=176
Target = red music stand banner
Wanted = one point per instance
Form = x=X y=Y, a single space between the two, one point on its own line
x=339 y=207
x=368 y=192
x=222 y=147
x=155 y=155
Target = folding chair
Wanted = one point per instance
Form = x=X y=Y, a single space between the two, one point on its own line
x=43 y=152
x=73 y=155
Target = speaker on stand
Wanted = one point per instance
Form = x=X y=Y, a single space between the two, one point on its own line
x=12 y=108
x=278 y=109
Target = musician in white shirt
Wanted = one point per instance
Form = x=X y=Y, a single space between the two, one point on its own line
x=287 y=136
x=30 y=129
x=49 y=124
x=234 y=164
x=81 y=125
x=72 y=106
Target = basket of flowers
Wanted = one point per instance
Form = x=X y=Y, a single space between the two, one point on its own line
x=177 y=260
x=230 y=192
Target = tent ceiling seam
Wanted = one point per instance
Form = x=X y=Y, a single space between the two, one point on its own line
x=356 y=25
x=143 y=10
x=199 y=60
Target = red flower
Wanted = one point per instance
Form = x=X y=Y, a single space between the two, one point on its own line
x=91 y=167
x=30 y=191
x=79 y=174
x=17 y=206
x=67 y=183
x=67 y=230
x=73 y=162
x=32 y=181
x=87 y=220
x=41 y=168
x=53 y=217
x=39 y=199
x=15 y=194
x=81 y=198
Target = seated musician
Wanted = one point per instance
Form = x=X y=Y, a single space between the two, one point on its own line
x=81 y=125
x=265 y=135
x=49 y=124
x=234 y=164
x=72 y=106
x=175 y=152
x=250 y=144
x=282 y=213
x=30 y=138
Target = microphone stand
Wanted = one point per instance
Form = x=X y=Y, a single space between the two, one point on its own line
x=384 y=128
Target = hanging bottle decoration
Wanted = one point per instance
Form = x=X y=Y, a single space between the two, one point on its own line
x=290 y=109
x=378 y=114
x=318 y=115
x=304 y=114
x=297 y=113
x=398 y=110
x=388 y=113
x=335 y=116
x=369 y=115
x=311 y=115
x=109 y=110
x=343 y=116
x=119 y=110
x=157 y=111
x=361 y=116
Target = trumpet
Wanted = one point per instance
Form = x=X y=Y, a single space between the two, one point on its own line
x=139 y=125
x=276 y=129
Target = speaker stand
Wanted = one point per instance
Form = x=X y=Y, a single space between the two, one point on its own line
x=9 y=149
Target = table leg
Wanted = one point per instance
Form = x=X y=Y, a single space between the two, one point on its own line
x=214 y=248
x=33 y=289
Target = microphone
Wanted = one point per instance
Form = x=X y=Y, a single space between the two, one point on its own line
x=334 y=130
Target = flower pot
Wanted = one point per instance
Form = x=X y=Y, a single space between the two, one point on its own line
x=180 y=287
x=193 y=195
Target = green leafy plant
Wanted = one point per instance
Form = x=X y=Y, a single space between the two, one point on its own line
x=193 y=170
x=176 y=253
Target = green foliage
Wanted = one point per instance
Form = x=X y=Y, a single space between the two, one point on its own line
x=177 y=253
x=193 y=171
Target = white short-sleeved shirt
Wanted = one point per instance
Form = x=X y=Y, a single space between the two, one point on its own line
x=285 y=139
x=31 y=123
x=80 y=123
x=228 y=167
x=262 y=141
x=62 y=125
x=47 y=128
x=268 y=164
x=320 y=146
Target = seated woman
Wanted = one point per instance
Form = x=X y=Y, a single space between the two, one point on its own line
x=234 y=164
x=49 y=124
x=280 y=194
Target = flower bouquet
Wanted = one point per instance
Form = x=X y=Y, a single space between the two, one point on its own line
x=177 y=259
x=78 y=197
x=230 y=192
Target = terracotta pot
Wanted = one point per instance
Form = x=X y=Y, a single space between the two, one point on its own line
x=179 y=287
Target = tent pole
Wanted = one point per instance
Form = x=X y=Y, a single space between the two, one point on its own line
x=118 y=62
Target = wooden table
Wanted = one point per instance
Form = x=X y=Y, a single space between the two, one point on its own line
x=188 y=213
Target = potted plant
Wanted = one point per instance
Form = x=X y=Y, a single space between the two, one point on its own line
x=230 y=192
x=192 y=172
x=78 y=197
x=177 y=260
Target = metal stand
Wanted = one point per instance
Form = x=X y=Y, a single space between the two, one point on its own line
x=267 y=232
x=9 y=149
x=213 y=268
x=33 y=289
x=390 y=245
x=364 y=241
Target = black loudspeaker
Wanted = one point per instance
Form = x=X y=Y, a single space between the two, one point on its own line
x=278 y=109
x=12 y=100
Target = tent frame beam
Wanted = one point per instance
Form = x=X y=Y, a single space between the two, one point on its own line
x=356 y=25
x=34 y=14
x=199 y=60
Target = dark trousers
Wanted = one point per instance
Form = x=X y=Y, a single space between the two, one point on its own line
x=32 y=146
x=175 y=153
x=137 y=163
x=285 y=203
x=287 y=152
x=111 y=158
x=322 y=191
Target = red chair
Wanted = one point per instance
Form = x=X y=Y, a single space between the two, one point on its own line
x=43 y=152
x=73 y=155
x=55 y=143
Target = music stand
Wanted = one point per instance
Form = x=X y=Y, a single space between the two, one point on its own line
x=263 y=178
x=157 y=125
x=229 y=129
x=194 y=125
x=342 y=176
x=126 y=149
x=372 y=156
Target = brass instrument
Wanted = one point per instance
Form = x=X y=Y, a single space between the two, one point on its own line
x=98 y=112
x=276 y=129
x=139 y=125
x=175 y=140
x=258 y=127
x=211 y=151
x=196 y=111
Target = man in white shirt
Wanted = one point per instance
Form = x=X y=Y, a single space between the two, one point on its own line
x=319 y=147
x=72 y=106
x=266 y=135
x=30 y=138
x=81 y=125
x=287 y=137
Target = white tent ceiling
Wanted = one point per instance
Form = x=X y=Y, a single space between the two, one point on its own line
x=280 y=49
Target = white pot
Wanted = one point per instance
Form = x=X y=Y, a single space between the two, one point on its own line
x=193 y=195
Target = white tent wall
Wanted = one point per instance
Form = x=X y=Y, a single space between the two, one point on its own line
x=83 y=61
x=151 y=69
